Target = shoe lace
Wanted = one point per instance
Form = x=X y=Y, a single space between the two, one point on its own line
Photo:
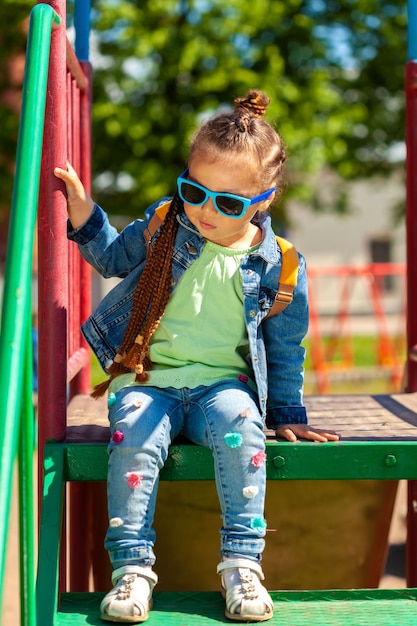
x=248 y=586
x=126 y=586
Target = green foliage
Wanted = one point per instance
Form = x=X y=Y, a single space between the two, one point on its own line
x=13 y=36
x=333 y=71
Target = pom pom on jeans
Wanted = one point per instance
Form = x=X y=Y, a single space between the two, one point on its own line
x=233 y=440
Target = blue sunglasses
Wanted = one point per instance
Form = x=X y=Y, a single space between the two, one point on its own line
x=227 y=204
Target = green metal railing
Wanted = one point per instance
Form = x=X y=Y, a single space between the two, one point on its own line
x=16 y=377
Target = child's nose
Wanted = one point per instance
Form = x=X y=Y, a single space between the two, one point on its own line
x=209 y=205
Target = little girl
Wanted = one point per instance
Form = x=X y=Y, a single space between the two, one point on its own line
x=186 y=342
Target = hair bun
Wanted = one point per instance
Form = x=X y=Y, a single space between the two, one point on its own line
x=256 y=102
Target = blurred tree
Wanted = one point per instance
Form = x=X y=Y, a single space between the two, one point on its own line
x=13 y=36
x=332 y=68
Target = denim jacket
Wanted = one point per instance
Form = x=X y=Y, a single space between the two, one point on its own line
x=276 y=353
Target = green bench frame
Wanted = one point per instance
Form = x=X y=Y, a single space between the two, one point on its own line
x=379 y=441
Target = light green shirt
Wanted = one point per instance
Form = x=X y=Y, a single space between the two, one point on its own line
x=202 y=337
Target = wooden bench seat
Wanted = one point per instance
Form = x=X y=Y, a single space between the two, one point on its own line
x=355 y=417
x=377 y=434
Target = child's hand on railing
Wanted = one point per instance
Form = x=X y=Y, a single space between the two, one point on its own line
x=79 y=204
x=293 y=432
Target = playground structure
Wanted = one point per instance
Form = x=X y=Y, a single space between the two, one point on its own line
x=379 y=433
x=331 y=348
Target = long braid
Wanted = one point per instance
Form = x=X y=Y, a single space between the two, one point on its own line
x=149 y=302
x=143 y=326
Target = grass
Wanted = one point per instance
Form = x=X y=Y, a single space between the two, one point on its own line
x=359 y=364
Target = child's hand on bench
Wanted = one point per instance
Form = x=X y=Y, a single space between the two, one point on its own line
x=293 y=432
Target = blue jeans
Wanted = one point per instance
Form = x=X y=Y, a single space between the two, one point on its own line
x=144 y=420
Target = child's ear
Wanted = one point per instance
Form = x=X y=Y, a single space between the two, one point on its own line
x=264 y=206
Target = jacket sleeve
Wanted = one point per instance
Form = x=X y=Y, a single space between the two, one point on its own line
x=109 y=252
x=283 y=337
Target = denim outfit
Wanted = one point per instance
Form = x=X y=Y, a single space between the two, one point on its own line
x=226 y=417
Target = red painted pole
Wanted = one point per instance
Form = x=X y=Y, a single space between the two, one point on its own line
x=81 y=532
x=53 y=290
x=64 y=299
x=82 y=382
x=52 y=253
x=411 y=221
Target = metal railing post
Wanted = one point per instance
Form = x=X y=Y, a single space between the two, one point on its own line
x=16 y=299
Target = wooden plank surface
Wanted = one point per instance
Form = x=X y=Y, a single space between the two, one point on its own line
x=363 y=417
x=87 y=419
x=354 y=417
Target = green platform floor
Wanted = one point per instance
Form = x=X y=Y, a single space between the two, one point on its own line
x=377 y=607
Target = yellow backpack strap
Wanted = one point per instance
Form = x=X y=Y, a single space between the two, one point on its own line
x=155 y=222
x=288 y=278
